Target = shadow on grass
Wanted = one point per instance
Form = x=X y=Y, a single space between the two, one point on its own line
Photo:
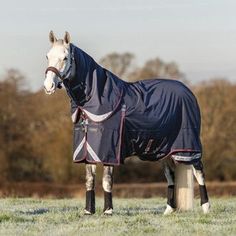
x=139 y=210
x=35 y=211
x=40 y=211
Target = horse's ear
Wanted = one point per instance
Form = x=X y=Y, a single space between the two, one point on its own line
x=52 y=37
x=67 y=38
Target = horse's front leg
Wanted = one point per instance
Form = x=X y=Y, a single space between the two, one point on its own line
x=90 y=189
x=199 y=175
x=169 y=169
x=107 y=183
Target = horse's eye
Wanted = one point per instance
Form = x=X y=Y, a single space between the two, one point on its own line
x=47 y=57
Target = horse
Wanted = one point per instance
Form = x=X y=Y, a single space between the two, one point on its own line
x=156 y=120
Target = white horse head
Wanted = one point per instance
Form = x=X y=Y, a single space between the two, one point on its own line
x=60 y=61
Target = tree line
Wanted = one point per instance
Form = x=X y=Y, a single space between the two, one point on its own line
x=36 y=130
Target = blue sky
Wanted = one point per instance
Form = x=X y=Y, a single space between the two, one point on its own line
x=199 y=35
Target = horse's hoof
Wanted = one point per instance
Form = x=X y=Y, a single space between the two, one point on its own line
x=108 y=212
x=88 y=213
x=169 y=210
x=206 y=207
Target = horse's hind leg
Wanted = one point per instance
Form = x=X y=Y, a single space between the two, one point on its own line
x=107 y=183
x=90 y=189
x=199 y=175
x=170 y=176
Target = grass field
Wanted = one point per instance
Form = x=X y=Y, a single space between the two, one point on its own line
x=27 y=216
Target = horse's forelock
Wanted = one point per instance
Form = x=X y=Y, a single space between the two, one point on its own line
x=59 y=42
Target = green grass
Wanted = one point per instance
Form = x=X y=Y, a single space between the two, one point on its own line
x=131 y=217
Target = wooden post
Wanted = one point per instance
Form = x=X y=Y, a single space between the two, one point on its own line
x=184 y=187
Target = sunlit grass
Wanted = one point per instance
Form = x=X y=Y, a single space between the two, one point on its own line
x=131 y=217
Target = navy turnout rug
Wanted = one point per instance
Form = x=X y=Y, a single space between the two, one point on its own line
x=114 y=119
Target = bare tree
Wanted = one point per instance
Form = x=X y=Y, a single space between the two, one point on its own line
x=217 y=100
x=119 y=64
x=156 y=68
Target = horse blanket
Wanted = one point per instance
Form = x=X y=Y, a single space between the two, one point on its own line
x=114 y=119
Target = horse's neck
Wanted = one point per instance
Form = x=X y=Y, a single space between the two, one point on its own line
x=85 y=65
x=89 y=72
x=101 y=87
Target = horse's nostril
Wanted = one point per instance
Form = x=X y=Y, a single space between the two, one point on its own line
x=53 y=85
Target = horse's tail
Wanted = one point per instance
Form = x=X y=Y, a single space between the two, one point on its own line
x=184 y=187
